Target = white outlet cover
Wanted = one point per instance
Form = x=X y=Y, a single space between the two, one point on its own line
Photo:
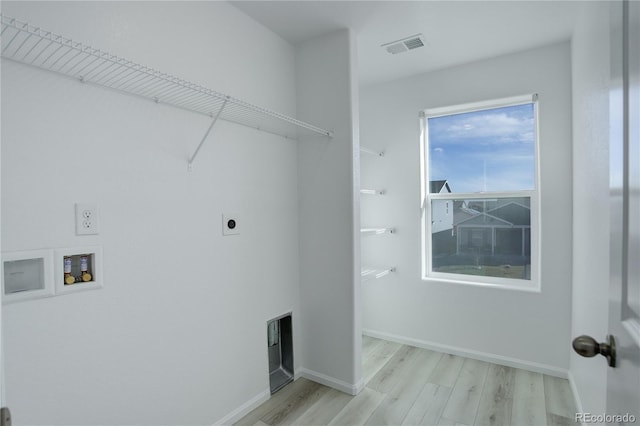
x=86 y=219
x=230 y=224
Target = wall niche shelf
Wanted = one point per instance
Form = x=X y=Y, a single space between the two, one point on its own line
x=372 y=192
x=371 y=151
x=376 y=231
x=367 y=273
x=33 y=46
x=374 y=272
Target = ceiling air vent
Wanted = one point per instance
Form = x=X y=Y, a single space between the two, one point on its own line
x=405 y=44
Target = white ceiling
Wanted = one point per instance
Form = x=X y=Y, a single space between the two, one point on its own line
x=455 y=32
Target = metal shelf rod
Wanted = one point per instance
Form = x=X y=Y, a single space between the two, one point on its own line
x=193 y=157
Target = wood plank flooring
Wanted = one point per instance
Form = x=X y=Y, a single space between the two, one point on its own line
x=406 y=385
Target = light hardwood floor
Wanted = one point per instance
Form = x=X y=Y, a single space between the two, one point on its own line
x=412 y=386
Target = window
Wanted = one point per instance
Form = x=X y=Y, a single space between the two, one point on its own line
x=480 y=193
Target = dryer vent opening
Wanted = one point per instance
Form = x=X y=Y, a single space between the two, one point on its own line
x=280 y=347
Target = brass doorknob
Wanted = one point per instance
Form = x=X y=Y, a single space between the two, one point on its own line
x=587 y=346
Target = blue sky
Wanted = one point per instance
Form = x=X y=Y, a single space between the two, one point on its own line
x=488 y=150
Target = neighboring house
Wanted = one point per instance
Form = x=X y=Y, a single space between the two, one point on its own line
x=462 y=212
x=495 y=229
x=441 y=210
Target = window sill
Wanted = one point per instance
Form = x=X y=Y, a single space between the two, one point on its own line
x=526 y=286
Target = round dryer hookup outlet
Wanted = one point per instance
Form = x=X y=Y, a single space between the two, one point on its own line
x=230 y=224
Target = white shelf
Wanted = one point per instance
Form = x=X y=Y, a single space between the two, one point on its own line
x=33 y=46
x=372 y=192
x=371 y=151
x=376 y=231
x=367 y=273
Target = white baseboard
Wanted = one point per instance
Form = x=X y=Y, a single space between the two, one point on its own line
x=468 y=353
x=576 y=395
x=263 y=396
x=245 y=408
x=323 y=379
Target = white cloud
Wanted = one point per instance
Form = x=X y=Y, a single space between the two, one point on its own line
x=485 y=128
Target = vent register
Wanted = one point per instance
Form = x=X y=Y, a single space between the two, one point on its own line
x=404 y=45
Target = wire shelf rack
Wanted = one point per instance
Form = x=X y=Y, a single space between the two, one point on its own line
x=30 y=45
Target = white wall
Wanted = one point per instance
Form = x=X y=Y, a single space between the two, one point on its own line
x=590 y=77
x=178 y=334
x=329 y=212
x=520 y=328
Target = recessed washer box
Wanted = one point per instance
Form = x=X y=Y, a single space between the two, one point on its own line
x=27 y=275
x=72 y=262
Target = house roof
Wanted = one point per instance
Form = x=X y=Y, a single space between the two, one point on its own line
x=435 y=186
x=510 y=214
x=484 y=219
x=515 y=213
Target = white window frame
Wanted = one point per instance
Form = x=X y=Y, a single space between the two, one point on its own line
x=533 y=284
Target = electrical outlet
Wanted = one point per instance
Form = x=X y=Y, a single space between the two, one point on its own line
x=230 y=224
x=86 y=219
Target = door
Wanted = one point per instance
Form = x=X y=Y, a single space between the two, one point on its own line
x=1 y=347
x=1 y=358
x=623 y=381
x=3 y=415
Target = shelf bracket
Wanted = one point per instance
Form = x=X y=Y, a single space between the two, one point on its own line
x=213 y=122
